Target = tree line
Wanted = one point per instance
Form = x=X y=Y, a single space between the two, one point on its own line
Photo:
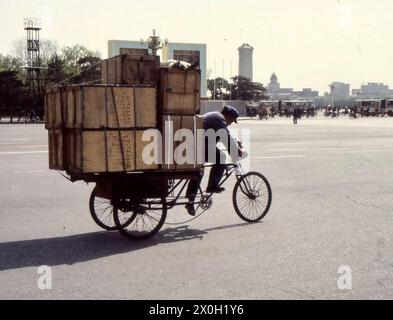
x=76 y=65
x=70 y=64
x=240 y=88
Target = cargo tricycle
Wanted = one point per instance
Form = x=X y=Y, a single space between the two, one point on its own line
x=136 y=204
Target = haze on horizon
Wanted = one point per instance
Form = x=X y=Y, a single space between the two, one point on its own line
x=307 y=43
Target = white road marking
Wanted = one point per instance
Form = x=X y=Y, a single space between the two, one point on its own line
x=24 y=146
x=23 y=152
x=293 y=143
x=34 y=146
x=281 y=157
x=26 y=172
x=286 y=149
x=13 y=140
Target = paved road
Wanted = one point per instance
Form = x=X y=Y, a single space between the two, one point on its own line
x=332 y=183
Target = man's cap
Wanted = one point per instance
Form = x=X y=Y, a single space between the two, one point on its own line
x=231 y=111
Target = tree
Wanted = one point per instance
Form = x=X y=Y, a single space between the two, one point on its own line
x=56 y=70
x=243 y=89
x=9 y=63
x=76 y=57
x=48 y=48
x=221 y=87
x=11 y=89
x=90 y=69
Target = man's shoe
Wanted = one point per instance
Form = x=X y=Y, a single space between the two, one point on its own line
x=215 y=189
x=190 y=209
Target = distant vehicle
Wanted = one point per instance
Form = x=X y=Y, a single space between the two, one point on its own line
x=307 y=107
x=368 y=107
x=252 y=109
x=268 y=108
x=388 y=107
x=282 y=108
x=374 y=107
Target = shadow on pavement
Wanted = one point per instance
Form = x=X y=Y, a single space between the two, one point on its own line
x=85 y=247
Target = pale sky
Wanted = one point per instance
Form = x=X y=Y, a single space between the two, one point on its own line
x=308 y=43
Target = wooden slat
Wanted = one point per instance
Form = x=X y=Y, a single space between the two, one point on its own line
x=121 y=151
x=131 y=70
x=55 y=149
x=179 y=122
x=180 y=91
x=94 y=154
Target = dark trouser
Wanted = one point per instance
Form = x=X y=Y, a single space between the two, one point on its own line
x=216 y=174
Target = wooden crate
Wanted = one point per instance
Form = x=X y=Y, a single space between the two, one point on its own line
x=56 y=149
x=127 y=70
x=97 y=107
x=53 y=106
x=134 y=53
x=194 y=156
x=106 y=151
x=179 y=92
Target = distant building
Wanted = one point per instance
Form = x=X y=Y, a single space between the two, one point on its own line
x=373 y=90
x=116 y=47
x=341 y=90
x=188 y=52
x=245 y=61
x=306 y=93
x=277 y=93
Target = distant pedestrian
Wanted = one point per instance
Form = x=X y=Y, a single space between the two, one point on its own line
x=296 y=114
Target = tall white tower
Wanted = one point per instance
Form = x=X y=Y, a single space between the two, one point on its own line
x=245 y=61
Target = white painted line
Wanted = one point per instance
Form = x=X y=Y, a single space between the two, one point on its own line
x=293 y=143
x=14 y=140
x=7 y=143
x=26 y=172
x=282 y=157
x=33 y=146
x=286 y=149
x=24 y=146
x=22 y=152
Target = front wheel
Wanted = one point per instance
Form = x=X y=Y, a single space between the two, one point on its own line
x=252 y=197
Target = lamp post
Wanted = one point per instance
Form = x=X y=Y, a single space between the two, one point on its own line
x=154 y=43
x=332 y=86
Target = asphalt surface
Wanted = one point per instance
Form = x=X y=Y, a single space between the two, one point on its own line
x=332 y=182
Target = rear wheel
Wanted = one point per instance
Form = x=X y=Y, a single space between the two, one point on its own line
x=252 y=197
x=101 y=210
x=139 y=219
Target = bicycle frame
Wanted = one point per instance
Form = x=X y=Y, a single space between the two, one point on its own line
x=229 y=170
x=180 y=185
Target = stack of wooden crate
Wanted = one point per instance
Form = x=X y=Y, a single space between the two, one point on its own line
x=179 y=100
x=97 y=129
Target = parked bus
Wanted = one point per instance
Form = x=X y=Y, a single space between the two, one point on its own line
x=307 y=107
x=368 y=107
x=388 y=107
x=252 y=109
x=268 y=108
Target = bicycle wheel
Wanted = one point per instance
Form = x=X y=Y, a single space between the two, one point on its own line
x=139 y=219
x=252 y=197
x=101 y=210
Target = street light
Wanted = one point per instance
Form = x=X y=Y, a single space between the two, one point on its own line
x=332 y=86
x=153 y=43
